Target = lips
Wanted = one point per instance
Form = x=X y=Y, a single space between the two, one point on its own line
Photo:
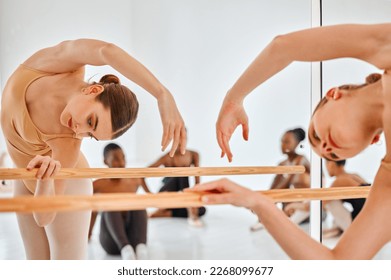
x=333 y=143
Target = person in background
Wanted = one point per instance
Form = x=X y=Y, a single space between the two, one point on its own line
x=289 y=143
x=178 y=184
x=343 y=217
x=121 y=232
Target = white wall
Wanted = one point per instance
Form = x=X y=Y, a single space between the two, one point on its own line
x=197 y=48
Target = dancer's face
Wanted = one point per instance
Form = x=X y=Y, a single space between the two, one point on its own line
x=86 y=116
x=288 y=143
x=115 y=159
x=338 y=129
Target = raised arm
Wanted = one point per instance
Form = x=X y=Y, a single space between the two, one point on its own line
x=370 y=43
x=69 y=56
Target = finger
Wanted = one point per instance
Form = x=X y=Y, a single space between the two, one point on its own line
x=57 y=169
x=219 y=136
x=223 y=198
x=227 y=148
x=165 y=134
x=219 y=185
x=222 y=154
x=245 y=130
x=42 y=169
x=175 y=143
x=183 y=140
x=49 y=170
x=220 y=142
x=33 y=163
x=170 y=135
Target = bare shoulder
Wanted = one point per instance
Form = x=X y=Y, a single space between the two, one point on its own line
x=343 y=181
x=99 y=185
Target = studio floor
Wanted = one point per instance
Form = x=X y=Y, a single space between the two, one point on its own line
x=225 y=235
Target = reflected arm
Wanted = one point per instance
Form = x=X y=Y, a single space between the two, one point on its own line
x=316 y=44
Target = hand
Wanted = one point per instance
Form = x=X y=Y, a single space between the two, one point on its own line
x=224 y=191
x=173 y=124
x=231 y=115
x=291 y=208
x=48 y=167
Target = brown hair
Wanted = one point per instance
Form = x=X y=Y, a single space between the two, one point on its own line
x=370 y=79
x=122 y=102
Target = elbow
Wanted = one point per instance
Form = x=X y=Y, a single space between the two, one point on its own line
x=107 y=50
x=280 y=48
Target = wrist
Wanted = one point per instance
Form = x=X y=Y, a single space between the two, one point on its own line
x=161 y=93
x=261 y=204
x=233 y=97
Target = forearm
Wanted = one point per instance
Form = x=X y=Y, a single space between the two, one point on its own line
x=269 y=62
x=132 y=69
x=293 y=240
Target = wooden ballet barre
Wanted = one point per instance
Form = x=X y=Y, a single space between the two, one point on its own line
x=131 y=201
x=77 y=173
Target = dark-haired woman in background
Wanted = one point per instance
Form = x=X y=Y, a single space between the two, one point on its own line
x=289 y=143
x=48 y=108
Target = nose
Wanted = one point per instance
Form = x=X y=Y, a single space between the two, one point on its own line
x=325 y=147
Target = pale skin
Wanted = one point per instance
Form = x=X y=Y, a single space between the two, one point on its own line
x=344 y=126
x=70 y=107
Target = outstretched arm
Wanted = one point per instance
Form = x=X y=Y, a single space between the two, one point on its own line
x=362 y=240
x=69 y=56
x=316 y=44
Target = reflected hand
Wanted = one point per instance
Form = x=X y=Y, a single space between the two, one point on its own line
x=173 y=124
x=232 y=114
x=224 y=191
x=291 y=208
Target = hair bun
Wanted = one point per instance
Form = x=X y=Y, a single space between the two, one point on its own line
x=109 y=78
x=299 y=133
x=373 y=78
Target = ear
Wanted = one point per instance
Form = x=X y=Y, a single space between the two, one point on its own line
x=93 y=89
x=105 y=162
x=375 y=139
x=333 y=94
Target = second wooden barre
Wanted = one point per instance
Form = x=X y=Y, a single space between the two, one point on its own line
x=124 y=201
x=77 y=173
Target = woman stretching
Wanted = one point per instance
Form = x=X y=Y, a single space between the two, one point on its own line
x=48 y=108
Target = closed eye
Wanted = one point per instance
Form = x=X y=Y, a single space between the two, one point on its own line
x=334 y=156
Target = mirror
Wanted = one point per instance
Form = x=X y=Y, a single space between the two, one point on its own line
x=350 y=71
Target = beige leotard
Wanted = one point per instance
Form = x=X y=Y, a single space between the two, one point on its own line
x=24 y=140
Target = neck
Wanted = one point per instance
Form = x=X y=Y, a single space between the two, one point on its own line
x=371 y=101
x=291 y=156
x=339 y=172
